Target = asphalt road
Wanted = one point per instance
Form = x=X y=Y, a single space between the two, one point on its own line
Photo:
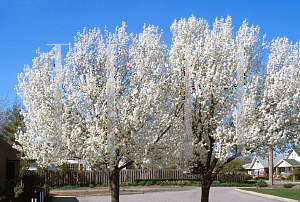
x=189 y=194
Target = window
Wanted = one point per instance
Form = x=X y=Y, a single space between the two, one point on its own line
x=73 y=166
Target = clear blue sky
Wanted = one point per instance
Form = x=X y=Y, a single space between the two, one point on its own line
x=26 y=25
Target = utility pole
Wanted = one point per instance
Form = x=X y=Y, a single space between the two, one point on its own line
x=271 y=167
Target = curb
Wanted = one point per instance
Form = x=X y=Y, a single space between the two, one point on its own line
x=278 y=198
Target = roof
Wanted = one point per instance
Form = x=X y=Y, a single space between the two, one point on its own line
x=247 y=166
x=293 y=162
x=265 y=163
x=297 y=150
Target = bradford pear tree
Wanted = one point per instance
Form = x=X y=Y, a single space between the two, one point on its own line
x=128 y=99
x=117 y=102
x=36 y=88
x=142 y=90
x=278 y=106
x=215 y=55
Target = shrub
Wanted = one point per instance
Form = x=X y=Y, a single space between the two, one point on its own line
x=91 y=185
x=133 y=184
x=64 y=187
x=297 y=176
x=282 y=178
x=18 y=190
x=124 y=184
x=31 y=187
x=248 y=177
x=142 y=183
x=7 y=191
x=289 y=185
x=261 y=183
x=148 y=184
x=257 y=178
x=154 y=181
x=290 y=177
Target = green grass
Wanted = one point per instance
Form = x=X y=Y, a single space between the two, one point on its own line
x=194 y=183
x=164 y=183
x=64 y=187
x=286 y=180
x=72 y=186
x=282 y=192
x=233 y=184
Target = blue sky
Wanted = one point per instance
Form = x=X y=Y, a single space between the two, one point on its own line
x=27 y=25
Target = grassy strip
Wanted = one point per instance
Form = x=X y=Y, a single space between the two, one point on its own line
x=286 y=193
x=77 y=186
x=166 y=183
x=233 y=184
x=286 y=180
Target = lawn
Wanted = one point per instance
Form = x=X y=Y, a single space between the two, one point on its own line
x=286 y=180
x=166 y=183
x=282 y=192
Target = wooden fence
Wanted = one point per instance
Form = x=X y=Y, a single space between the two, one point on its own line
x=54 y=178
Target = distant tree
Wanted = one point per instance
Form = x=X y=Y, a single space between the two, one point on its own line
x=3 y=114
x=234 y=167
x=13 y=124
x=63 y=169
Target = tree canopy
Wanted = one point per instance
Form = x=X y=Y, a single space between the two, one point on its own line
x=130 y=98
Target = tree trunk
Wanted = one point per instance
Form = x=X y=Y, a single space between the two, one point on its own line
x=114 y=184
x=205 y=193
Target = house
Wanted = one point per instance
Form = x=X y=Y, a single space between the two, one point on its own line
x=9 y=163
x=75 y=164
x=259 y=167
x=289 y=165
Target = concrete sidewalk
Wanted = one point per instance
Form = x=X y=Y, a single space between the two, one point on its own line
x=190 y=194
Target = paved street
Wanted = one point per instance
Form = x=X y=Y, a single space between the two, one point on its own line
x=190 y=194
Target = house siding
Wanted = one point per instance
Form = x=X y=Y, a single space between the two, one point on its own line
x=294 y=155
x=8 y=155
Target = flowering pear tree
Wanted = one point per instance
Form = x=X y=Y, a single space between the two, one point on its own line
x=36 y=88
x=214 y=60
x=128 y=100
x=143 y=108
x=277 y=111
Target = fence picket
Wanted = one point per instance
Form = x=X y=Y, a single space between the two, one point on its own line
x=53 y=178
